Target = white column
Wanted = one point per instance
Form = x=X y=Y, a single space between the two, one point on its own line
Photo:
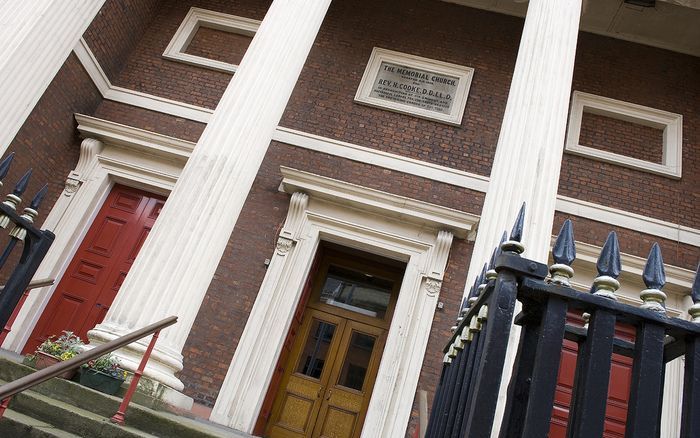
x=178 y=260
x=36 y=37
x=528 y=156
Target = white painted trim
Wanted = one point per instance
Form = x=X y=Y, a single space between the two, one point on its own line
x=386 y=160
x=350 y=216
x=434 y=172
x=384 y=203
x=671 y=123
x=462 y=74
x=631 y=221
x=136 y=98
x=196 y=18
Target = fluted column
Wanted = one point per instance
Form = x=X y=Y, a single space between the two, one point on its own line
x=178 y=260
x=528 y=156
x=36 y=37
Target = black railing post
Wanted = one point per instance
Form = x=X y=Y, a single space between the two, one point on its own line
x=690 y=419
x=436 y=400
x=648 y=367
x=690 y=416
x=36 y=242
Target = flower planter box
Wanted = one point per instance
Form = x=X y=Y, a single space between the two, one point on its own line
x=100 y=381
x=44 y=360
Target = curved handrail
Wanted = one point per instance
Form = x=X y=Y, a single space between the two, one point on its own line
x=26 y=382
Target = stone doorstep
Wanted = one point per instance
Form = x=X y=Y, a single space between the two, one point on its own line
x=151 y=421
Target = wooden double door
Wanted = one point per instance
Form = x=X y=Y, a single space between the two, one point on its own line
x=326 y=391
x=329 y=373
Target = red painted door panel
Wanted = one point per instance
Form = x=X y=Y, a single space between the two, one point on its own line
x=618 y=388
x=98 y=269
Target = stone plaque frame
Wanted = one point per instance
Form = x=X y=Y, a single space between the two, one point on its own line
x=369 y=85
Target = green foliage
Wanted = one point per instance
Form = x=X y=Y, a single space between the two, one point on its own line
x=107 y=364
x=64 y=347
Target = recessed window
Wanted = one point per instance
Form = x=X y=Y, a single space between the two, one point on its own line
x=624 y=133
x=212 y=40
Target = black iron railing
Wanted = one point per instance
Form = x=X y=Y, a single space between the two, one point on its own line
x=36 y=243
x=466 y=396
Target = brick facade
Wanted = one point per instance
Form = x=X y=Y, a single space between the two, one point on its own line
x=231 y=295
x=646 y=76
x=129 y=46
x=48 y=142
x=622 y=137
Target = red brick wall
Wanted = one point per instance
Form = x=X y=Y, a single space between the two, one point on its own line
x=225 y=309
x=146 y=70
x=622 y=137
x=645 y=76
x=48 y=141
x=115 y=31
x=150 y=120
x=219 y=45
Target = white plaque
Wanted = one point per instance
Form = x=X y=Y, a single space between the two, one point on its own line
x=417 y=86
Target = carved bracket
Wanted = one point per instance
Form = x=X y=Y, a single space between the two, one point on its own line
x=432 y=286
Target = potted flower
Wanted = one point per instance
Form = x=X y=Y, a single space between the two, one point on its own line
x=54 y=350
x=103 y=374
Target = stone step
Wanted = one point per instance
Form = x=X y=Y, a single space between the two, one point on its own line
x=148 y=420
x=70 y=418
x=20 y=425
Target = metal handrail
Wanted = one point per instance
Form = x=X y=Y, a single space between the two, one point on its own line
x=26 y=382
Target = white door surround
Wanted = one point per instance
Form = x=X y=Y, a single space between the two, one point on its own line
x=111 y=153
x=324 y=209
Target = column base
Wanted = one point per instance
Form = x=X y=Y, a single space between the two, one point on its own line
x=155 y=395
x=162 y=365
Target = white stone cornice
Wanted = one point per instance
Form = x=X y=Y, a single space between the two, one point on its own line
x=384 y=203
x=629 y=220
x=135 y=139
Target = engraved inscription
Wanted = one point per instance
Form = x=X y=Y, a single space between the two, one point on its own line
x=415 y=87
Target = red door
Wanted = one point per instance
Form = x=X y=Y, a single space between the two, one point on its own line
x=100 y=265
x=618 y=388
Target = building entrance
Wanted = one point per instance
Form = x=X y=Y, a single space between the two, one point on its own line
x=329 y=373
x=99 y=266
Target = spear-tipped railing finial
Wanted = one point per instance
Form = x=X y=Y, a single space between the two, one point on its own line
x=30 y=213
x=654 y=278
x=13 y=199
x=483 y=281
x=491 y=274
x=609 y=267
x=5 y=166
x=513 y=244
x=694 y=310
x=564 y=254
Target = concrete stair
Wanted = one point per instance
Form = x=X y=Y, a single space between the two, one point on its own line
x=61 y=408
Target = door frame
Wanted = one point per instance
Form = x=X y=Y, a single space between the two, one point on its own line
x=312 y=306
x=111 y=153
x=323 y=209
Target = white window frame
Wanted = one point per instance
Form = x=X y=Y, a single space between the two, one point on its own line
x=196 y=18
x=670 y=123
